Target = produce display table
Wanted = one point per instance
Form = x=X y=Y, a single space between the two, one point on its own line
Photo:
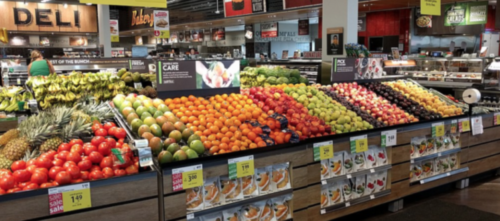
x=136 y=196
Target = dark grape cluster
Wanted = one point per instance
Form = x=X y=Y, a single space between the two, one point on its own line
x=401 y=101
x=363 y=114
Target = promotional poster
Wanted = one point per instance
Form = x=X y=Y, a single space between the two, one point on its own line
x=161 y=24
x=243 y=7
x=269 y=30
x=335 y=41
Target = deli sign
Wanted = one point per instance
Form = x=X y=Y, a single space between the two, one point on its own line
x=32 y=16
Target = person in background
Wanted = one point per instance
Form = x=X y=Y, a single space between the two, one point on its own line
x=39 y=66
x=192 y=53
x=172 y=53
x=262 y=57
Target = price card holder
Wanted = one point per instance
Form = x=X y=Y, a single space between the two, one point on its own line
x=138 y=85
x=438 y=129
x=241 y=167
x=18 y=81
x=347 y=204
x=145 y=157
x=463 y=125
x=477 y=125
x=496 y=118
x=323 y=150
x=187 y=177
x=69 y=198
x=454 y=126
x=372 y=196
x=33 y=105
x=388 y=138
x=190 y=216
x=359 y=144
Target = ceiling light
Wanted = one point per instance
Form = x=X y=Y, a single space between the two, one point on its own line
x=65 y=5
x=89 y=3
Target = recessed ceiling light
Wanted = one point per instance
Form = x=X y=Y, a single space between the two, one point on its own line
x=65 y=5
x=89 y=3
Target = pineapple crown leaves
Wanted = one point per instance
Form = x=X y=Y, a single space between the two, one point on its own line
x=29 y=155
x=75 y=129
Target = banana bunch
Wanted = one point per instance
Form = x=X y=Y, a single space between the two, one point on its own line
x=12 y=105
x=4 y=104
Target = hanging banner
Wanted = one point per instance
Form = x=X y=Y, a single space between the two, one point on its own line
x=304 y=27
x=269 y=30
x=149 y=3
x=473 y=13
x=430 y=7
x=249 y=31
x=161 y=24
x=422 y=21
x=243 y=7
x=335 y=39
x=114 y=30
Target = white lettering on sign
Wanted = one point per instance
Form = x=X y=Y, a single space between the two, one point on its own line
x=170 y=67
x=137 y=62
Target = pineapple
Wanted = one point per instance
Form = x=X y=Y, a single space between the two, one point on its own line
x=51 y=144
x=4 y=162
x=75 y=129
x=9 y=135
x=79 y=114
x=15 y=149
x=31 y=155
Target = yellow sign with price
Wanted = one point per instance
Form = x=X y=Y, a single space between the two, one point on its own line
x=241 y=167
x=359 y=144
x=438 y=129
x=323 y=150
x=77 y=199
x=464 y=124
x=191 y=179
x=69 y=198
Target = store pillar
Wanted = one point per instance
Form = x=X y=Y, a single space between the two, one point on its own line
x=104 y=31
x=338 y=14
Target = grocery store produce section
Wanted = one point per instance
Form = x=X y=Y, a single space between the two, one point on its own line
x=278 y=150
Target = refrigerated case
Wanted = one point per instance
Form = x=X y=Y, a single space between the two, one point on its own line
x=14 y=71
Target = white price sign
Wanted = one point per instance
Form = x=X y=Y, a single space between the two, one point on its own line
x=138 y=85
x=145 y=157
x=477 y=125
x=389 y=138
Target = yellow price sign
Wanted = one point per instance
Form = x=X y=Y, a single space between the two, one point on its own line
x=241 y=167
x=323 y=150
x=187 y=177
x=438 y=129
x=496 y=119
x=115 y=38
x=359 y=144
x=464 y=125
x=164 y=34
x=69 y=198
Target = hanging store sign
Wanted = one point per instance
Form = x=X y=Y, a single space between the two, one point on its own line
x=114 y=30
x=335 y=39
x=304 y=27
x=149 y=3
x=243 y=7
x=431 y=7
x=45 y=17
x=161 y=24
x=300 y=3
x=473 y=13
x=269 y=30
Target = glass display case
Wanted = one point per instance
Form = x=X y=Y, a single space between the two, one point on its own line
x=440 y=72
x=491 y=79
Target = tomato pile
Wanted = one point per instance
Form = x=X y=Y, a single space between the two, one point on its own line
x=73 y=162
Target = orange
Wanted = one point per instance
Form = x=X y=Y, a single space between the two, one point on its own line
x=249 y=101
x=214 y=129
x=243 y=126
x=223 y=146
x=218 y=123
x=203 y=138
x=229 y=134
x=184 y=99
x=255 y=114
x=235 y=148
x=237 y=123
x=261 y=144
x=211 y=137
x=227 y=114
x=196 y=123
x=257 y=130
x=280 y=139
x=207 y=144
x=214 y=149
x=242 y=117
x=245 y=131
x=191 y=119
x=201 y=128
x=248 y=115
x=252 y=136
x=220 y=136
x=216 y=143
x=233 y=129
x=207 y=132
x=225 y=140
x=176 y=101
x=237 y=135
x=224 y=130
x=191 y=98
x=236 y=112
x=179 y=114
x=168 y=101
x=193 y=128
x=184 y=119
x=199 y=133
x=287 y=137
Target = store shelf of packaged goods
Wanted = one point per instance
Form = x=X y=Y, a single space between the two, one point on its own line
x=440 y=176
x=353 y=202
x=192 y=215
x=434 y=155
x=356 y=174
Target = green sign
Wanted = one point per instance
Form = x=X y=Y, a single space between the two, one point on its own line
x=473 y=13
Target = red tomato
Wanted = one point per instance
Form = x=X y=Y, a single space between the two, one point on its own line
x=31 y=186
x=31 y=168
x=97 y=140
x=13 y=190
x=84 y=175
x=5 y=172
x=74 y=172
x=120 y=133
x=63 y=177
x=62 y=155
x=101 y=132
x=77 y=181
x=21 y=175
x=54 y=171
x=96 y=175
x=43 y=162
x=30 y=162
x=50 y=154
x=112 y=131
x=2 y=192
x=64 y=146
x=127 y=162
x=95 y=157
x=89 y=148
x=109 y=125
x=95 y=167
x=119 y=145
x=75 y=141
x=96 y=126
x=58 y=162
x=22 y=185
x=39 y=178
x=42 y=170
x=108 y=172
x=126 y=149
x=132 y=169
x=85 y=165
x=121 y=140
x=46 y=185
x=18 y=165
x=68 y=164
x=104 y=149
x=120 y=172
x=111 y=142
x=77 y=148
x=74 y=157
x=106 y=162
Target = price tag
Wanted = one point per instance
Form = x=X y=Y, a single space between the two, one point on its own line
x=412 y=161
x=138 y=85
x=145 y=157
x=69 y=198
x=323 y=211
x=359 y=144
x=190 y=216
x=241 y=167
x=347 y=204
x=438 y=129
x=18 y=80
x=323 y=150
x=372 y=196
x=477 y=125
x=141 y=143
x=388 y=138
x=454 y=126
x=349 y=176
x=496 y=118
x=323 y=182
x=21 y=119
x=464 y=125
x=422 y=181
x=372 y=170
x=448 y=174
x=187 y=177
x=439 y=154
